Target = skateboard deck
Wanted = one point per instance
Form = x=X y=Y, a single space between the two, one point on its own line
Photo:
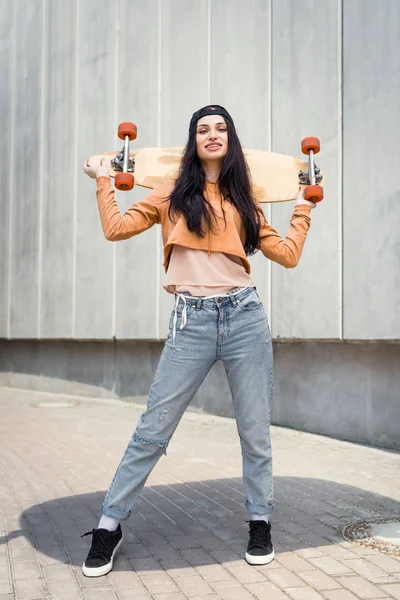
x=275 y=177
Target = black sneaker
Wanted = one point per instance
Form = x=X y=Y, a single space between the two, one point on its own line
x=105 y=544
x=259 y=550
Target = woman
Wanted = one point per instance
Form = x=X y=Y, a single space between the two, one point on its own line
x=210 y=224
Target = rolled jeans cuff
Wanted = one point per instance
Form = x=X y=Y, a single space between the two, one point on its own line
x=115 y=513
x=260 y=510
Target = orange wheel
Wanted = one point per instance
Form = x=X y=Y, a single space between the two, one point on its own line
x=310 y=143
x=124 y=181
x=314 y=193
x=127 y=129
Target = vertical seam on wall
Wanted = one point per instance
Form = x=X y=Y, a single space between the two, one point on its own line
x=269 y=208
x=209 y=49
x=41 y=160
x=340 y=167
x=75 y=201
x=158 y=239
x=114 y=246
x=11 y=172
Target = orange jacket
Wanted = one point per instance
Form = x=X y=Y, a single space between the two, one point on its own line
x=154 y=209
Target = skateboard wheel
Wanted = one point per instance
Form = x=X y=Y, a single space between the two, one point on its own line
x=313 y=193
x=127 y=129
x=124 y=181
x=310 y=143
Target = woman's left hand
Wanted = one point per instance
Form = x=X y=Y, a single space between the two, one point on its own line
x=301 y=200
x=100 y=170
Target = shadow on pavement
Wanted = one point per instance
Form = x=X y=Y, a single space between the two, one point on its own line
x=202 y=522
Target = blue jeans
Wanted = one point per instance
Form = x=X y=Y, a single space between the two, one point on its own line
x=231 y=328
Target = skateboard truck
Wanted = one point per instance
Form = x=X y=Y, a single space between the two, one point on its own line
x=312 y=177
x=304 y=178
x=124 y=180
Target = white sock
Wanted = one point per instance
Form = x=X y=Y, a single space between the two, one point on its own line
x=255 y=517
x=108 y=523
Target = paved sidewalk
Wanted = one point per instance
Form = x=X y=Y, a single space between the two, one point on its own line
x=188 y=534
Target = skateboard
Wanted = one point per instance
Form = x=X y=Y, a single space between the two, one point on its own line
x=275 y=177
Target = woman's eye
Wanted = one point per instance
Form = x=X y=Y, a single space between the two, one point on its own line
x=203 y=131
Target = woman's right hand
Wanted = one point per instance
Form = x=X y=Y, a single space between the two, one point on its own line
x=95 y=171
x=301 y=200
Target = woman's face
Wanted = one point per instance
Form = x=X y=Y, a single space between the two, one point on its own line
x=211 y=138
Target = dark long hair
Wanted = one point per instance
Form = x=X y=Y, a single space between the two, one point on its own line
x=234 y=183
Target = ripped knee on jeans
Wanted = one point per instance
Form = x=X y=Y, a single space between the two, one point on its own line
x=143 y=440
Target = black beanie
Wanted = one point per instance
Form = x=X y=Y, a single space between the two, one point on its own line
x=211 y=109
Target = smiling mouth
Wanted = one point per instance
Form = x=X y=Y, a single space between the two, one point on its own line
x=213 y=146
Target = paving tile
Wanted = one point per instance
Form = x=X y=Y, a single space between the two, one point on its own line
x=232 y=592
x=145 y=565
x=135 y=551
x=363 y=551
x=284 y=578
x=142 y=594
x=4 y=572
x=124 y=580
x=193 y=585
x=64 y=590
x=388 y=564
x=246 y=573
x=227 y=557
x=199 y=557
x=361 y=588
x=99 y=593
x=56 y=557
x=5 y=586
x=331 y=566
x=178 y=568
x=337 y=551
x=365 y=568
x=207 y=597
x=266 y=591
x=319 y=580
x=32 y=588
x=158 y=586
x=303 y=593
x=23 y=554
x=57 y=572
x=26 y=570
x=312 y=539
x=217 y=572
x=293 y=562
x=392 y=590
x=339 y=595
x=89 y=581
x=173 y=596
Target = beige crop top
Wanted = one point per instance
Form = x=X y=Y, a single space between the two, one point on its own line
x=200 y=274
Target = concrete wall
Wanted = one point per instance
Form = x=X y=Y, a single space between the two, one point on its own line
x=285 y=69
x=345 y=390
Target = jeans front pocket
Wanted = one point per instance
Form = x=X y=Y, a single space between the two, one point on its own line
x=179 y=312
x=250 y=302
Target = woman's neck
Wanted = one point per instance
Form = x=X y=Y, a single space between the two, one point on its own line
x=212 y=170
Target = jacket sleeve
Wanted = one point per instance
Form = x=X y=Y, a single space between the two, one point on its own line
x=286 y=252
x=140 y=216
